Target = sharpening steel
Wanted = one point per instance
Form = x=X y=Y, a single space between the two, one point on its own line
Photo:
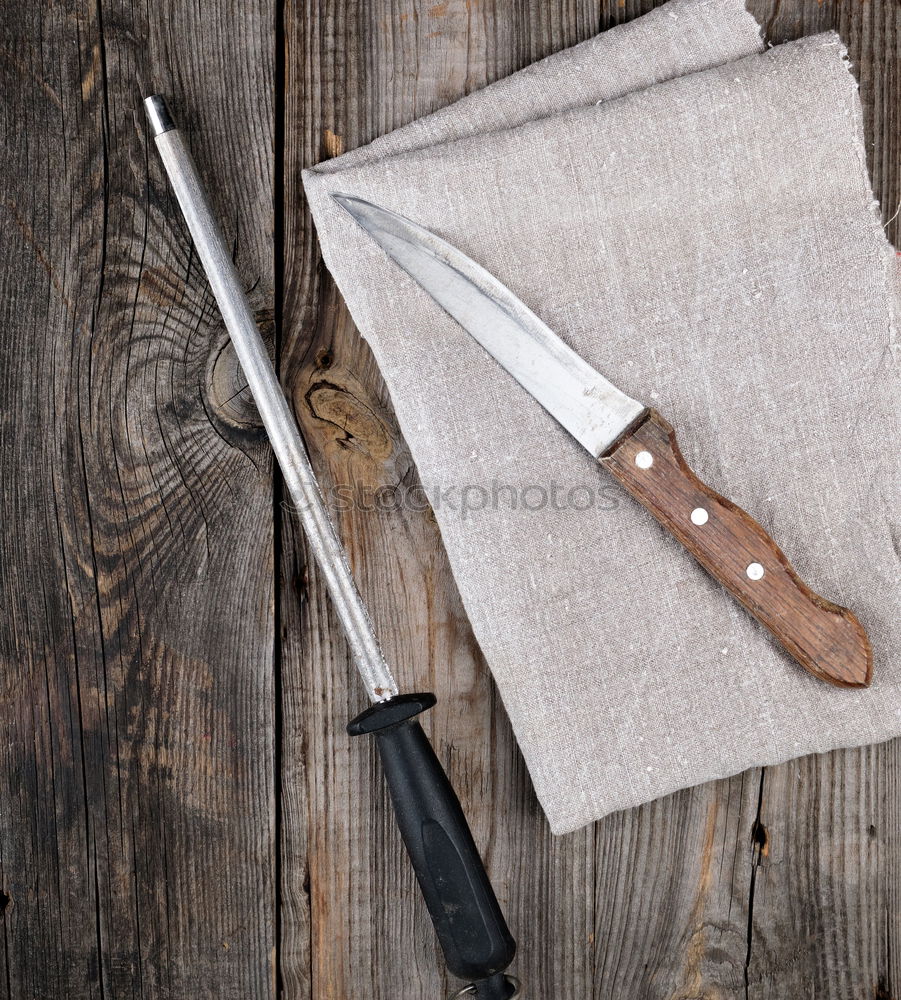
x=464 y=909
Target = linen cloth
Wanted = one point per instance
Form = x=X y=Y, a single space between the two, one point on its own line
x=693 y=215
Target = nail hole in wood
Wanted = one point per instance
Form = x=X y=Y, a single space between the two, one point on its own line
x=761 y=838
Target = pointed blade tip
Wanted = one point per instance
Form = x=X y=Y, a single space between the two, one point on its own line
x=591 y=408
x=351 y=203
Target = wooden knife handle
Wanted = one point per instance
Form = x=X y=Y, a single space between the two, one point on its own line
x=824 y=638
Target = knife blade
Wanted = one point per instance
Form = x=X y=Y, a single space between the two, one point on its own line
x=632 y=442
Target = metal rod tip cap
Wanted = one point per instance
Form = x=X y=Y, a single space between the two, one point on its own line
x=158 y=114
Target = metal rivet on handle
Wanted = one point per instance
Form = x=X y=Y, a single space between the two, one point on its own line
x=755 y=571
x=644 y=460
x=699 y=516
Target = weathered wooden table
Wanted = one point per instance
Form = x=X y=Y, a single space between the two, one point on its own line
x=182 y=814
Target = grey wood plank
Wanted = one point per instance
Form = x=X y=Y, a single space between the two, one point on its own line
x=776 y=883
x=360 y=943
x=352 y=72
x=825 y=917
x=136 y=784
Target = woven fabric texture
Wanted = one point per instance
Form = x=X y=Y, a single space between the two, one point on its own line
x=693 y=215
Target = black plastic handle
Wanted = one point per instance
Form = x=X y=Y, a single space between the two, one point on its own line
x=471 y=928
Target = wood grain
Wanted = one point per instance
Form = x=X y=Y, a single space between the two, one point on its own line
x=137 y=634
x=826 y=639
x=181 y=812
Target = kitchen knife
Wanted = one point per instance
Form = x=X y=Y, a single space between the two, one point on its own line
x=634 y=443
x=471 y=929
